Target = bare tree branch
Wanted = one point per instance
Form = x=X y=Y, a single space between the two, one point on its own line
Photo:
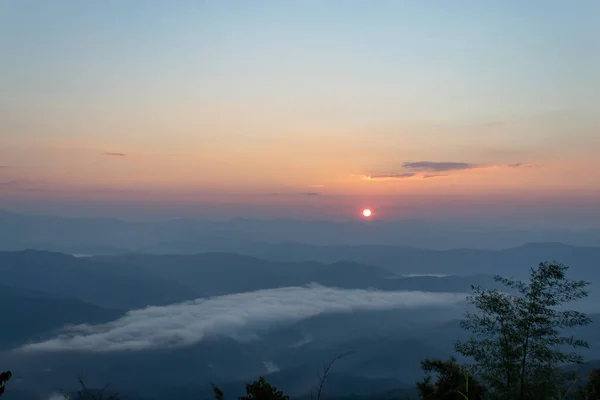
x=327 y=369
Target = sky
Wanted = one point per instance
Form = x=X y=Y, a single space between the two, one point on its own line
x=311 y=109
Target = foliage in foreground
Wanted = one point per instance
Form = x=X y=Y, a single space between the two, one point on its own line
x=257 y=390
x=517 y=345
x=592 y=389
x=453 y=382
x=262 y=390
x=87 y=394
x=4 y=378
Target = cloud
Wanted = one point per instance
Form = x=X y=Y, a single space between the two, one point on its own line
x=115 y=154
x=271 y=367
x=520 y=165
x=9 y=184
x=294 y=194
x=240 y=316
x=39 y=189
x=432 y=169
x=433 y=166
x=28 y=185
x=393 y=176
x=306 y=340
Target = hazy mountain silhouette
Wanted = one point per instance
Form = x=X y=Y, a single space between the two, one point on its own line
x=136 y=280
x=27 y=315
x=67 y=276
x=403 y=260
x=72 y=235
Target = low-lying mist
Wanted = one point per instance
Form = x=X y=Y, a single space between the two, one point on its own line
x=241 y=316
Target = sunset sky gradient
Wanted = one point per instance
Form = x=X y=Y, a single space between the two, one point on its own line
x=302 y=109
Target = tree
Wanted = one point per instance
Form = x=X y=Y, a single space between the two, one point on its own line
x=453 y=382
x=88 y=394
x=326 y=371
x=257 y=390
x=262 y=390
x=592 y=388
x=219 y=395
x=517 y=343
x=4 y=378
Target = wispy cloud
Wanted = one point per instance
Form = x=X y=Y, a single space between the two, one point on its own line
x=427 y=176
x=433 y=166
x=271 y=367
x=521 y=165
x=383 y=177
x=294 y=194
x=432 y=169
x=240 y=316
x=112 y=154
x=9 y=184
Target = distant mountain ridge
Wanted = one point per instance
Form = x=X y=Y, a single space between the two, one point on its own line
x=166 y=279
x=63 y=275
x=407 y=260
x=414 y=261
x=18 y=232
x=344 y=266
x=30 y=313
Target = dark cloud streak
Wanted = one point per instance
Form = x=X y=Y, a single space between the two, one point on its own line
x=434 y=169
x=433 y=176
x=433 y=166
x=393 y=176
x=294 y=194
x=9 y=184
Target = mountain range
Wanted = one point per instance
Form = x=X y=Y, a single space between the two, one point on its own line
x=112 y=236
x=228 y=310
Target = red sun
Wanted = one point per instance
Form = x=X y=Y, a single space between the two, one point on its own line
x=367 y=213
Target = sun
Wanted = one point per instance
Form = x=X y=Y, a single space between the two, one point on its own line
x=367 y=213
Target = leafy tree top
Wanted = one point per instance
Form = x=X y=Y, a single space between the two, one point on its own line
x=262 y=390
x=4 y=378
x=517 y=342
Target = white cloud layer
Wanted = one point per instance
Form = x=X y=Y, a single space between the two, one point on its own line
x=240 y=316
x=56 y=396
